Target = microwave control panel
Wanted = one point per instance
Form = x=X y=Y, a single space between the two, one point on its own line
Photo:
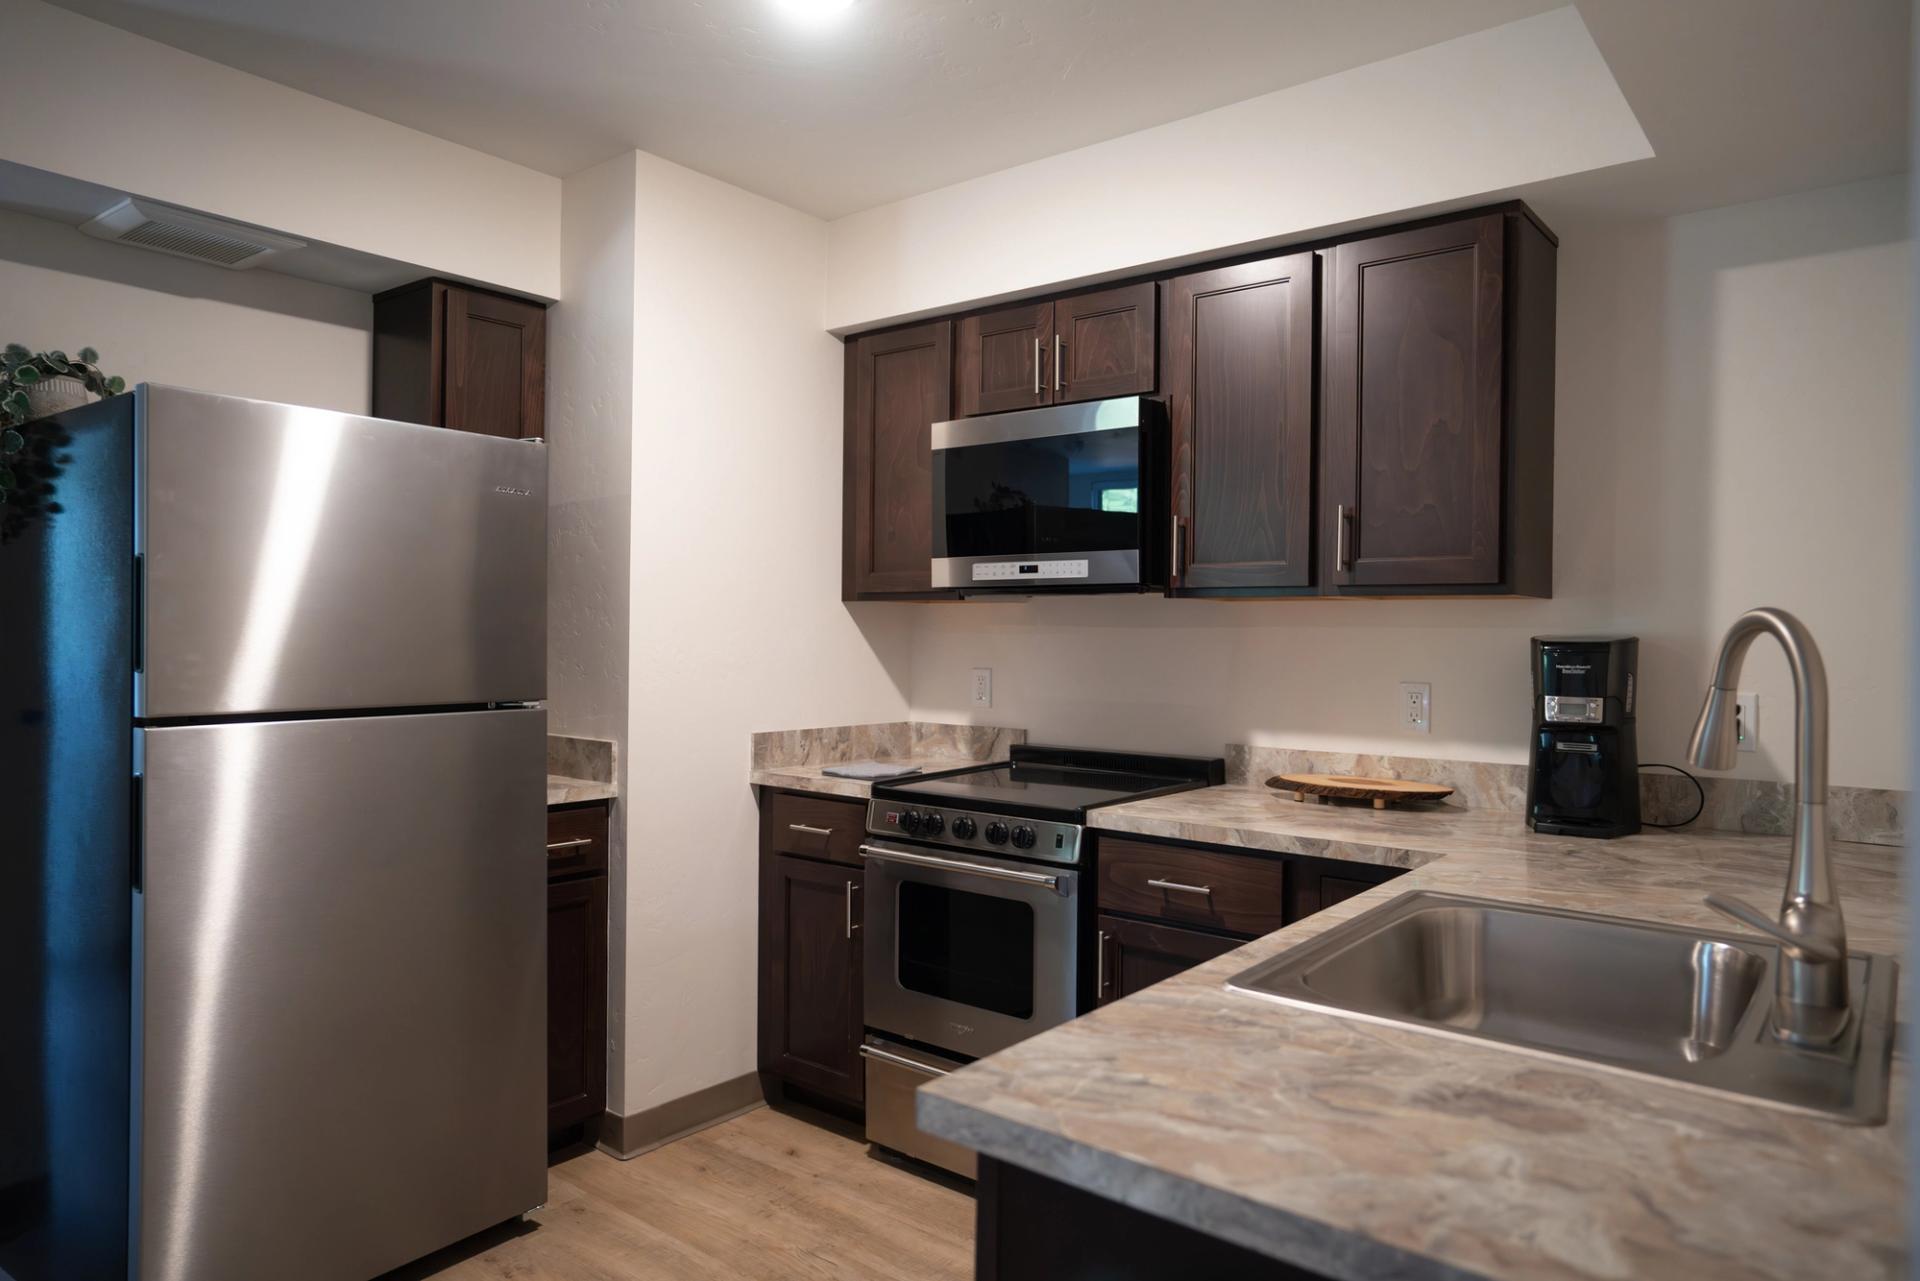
x=1000 y=571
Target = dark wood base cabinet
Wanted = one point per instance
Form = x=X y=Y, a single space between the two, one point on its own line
x=1033 y=1228
x=576 y=969
x=811 y=1012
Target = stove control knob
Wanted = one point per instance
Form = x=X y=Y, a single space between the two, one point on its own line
x=1023 y=837
x=963 y=828
x=996 y=833
x=911 y=822
x=932 y=824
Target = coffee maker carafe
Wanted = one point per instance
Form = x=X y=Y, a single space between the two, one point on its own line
x=1585 y=768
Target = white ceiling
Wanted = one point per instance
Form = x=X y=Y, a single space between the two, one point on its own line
x=891 y=98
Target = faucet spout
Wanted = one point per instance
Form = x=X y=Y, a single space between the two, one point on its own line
x=1810 y=1000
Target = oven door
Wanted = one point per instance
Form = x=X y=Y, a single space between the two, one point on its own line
x=967 y=953
x=1042 y=497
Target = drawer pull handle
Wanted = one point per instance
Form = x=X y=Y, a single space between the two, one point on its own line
x=809 y=829
x=554 y=847
x=1183 y=889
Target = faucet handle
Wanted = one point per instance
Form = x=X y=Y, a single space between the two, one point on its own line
x=1799 y=946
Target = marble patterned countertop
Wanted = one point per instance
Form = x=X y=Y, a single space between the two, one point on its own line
x=814 y=778
x=562 y=790
x=1360 y=1150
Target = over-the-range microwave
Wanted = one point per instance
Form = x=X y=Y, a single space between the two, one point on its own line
x=1056 y=499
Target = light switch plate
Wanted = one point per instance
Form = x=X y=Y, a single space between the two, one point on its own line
x=982 y=692
x=1416 y=707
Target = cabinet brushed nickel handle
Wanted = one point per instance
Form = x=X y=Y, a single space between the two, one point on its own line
x=853 y=887
x=1056 y=362
x=1340 y=538
x=1036 y=366
x=554 y=847
x=809 y=829
x=1100 y=976
x=1174 y=570
x=1184 y=889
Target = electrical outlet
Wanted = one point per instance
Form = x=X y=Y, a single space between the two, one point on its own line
x=1746 y=721
x=1416 y=707
x=982 y=693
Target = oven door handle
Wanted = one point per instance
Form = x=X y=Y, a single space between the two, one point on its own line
x=955 y=865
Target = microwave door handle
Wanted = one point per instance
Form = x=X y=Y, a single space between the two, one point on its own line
x=884 y=855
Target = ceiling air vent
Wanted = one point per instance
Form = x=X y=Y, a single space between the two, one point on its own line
x=188 y=235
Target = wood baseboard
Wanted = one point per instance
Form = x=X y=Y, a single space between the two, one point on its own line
x=627 y=1137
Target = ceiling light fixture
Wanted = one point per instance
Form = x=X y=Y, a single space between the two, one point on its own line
x=814 y=10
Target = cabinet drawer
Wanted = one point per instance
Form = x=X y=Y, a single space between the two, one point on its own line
x=576 y=841
x=826 y=827
x=1243 y=893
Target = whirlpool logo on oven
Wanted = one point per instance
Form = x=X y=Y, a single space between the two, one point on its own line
x=510 y=489
x=964 y=1029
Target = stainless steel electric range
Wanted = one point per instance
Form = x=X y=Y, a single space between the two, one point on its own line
x=977 y=921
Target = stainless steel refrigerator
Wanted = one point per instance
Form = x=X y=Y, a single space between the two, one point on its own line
x=272 y=959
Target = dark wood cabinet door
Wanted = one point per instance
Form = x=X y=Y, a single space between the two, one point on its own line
x=1240 y=378
x=899 y=384
x=1003 y=359
x=576 y=1000
x=496 y=353
x=810 y=1004
x=1103 y=344
x=1414 y=408
x=1137 y=954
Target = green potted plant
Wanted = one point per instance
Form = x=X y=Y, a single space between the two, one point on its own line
x=34 y=386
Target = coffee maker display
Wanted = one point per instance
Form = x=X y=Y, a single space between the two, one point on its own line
x=1585 y=778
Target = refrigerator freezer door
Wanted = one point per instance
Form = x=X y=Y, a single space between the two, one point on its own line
x=300 y=560
x=342 y=1002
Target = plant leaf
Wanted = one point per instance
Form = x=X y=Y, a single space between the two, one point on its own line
x=57 y=360
x=26 y=375
x=15 y=353
x=116 y=385
x=89 y=355
x=16 y=402
x=11 y=441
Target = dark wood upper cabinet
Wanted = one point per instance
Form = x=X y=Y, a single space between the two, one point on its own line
x=1002 y=360
x=810 y=959
x=898 y=385
x=1103 y=344
x=450 y=355
x=1083 y=347
x=1439 y=426
x=1240 y=384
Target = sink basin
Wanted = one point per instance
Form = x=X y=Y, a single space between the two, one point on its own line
x=1692 y=1007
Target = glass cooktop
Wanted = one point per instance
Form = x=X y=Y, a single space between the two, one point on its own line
x=1041 y=790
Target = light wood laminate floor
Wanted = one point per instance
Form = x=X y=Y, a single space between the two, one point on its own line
x=766 y=1195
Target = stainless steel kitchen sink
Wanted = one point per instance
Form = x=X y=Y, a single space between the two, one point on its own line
x=1688 y=1006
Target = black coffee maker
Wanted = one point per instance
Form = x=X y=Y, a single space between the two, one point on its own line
x=1586 y=765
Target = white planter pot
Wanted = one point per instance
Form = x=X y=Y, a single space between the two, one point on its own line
x=54 y=395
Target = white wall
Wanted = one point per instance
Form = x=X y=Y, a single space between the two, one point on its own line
x=1731 y=420
x=93 y=102
x=160 y=319
x=737 y=624
x=590 y=490
x=1430 y=127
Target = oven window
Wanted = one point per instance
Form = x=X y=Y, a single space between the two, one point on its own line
x=1072 y=493
x=971 y=948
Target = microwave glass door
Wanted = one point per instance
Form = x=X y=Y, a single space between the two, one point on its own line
x=972 y=949
x=1074 y=493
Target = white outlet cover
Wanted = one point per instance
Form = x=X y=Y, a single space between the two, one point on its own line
x=981 y=692
x=1416 y=707
x=1749 y=721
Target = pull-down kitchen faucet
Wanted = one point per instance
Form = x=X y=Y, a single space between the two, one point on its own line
x=1810 y=995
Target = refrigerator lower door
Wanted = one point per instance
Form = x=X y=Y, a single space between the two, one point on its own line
x=340 y=1005
x=305 y=560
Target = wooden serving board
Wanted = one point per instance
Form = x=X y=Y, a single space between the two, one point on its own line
x=1381 y=791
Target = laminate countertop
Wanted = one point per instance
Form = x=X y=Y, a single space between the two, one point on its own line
x=1359 y=1150
x=562 y=790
